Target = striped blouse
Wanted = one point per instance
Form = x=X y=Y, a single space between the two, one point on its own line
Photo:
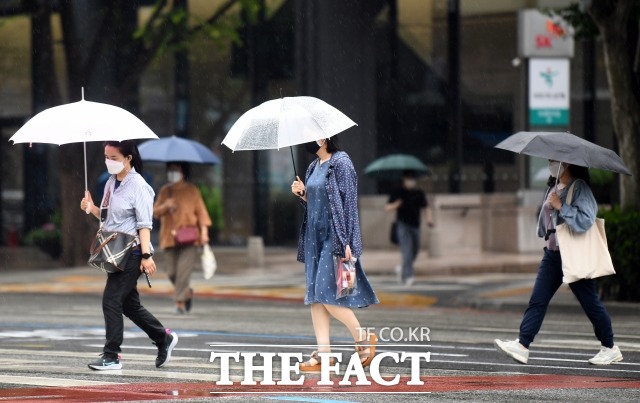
x=130 y=206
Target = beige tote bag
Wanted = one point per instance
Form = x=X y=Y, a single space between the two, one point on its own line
x=584 y=255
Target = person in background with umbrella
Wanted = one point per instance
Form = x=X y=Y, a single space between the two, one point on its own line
x=580 y=215
x=331 y=227
x=128 y=201
x=180 y=207
x=410 y=203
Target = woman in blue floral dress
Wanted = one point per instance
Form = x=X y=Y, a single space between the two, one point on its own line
x=331 y=227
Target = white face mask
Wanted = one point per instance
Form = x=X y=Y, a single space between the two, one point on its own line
x=553 y=169
x=174 y=176
x=114 y=167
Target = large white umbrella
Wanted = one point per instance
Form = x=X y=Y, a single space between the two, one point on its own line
x=286 y=122
x=82 y=121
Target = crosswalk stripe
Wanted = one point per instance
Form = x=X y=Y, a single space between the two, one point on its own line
x=45 y=381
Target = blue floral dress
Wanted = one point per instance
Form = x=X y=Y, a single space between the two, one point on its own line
x=318 y=256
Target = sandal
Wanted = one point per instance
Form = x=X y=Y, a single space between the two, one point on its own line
x=367 y=349
x=313 y=364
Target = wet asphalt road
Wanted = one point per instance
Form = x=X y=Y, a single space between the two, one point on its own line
x=46 y=340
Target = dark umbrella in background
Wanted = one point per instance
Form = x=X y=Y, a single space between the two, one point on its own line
x=392 y=166
x=564 y=147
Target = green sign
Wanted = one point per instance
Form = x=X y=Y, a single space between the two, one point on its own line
x=549 y=117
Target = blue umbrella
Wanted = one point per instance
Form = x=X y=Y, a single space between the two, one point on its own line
x=170 y=149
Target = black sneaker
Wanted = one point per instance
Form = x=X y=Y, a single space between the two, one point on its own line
x=164 y=349
x=189 y=303
x=108 y=361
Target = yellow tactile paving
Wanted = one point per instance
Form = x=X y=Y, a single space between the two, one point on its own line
x=93 y=285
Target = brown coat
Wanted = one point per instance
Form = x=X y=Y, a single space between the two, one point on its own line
x=190 y=210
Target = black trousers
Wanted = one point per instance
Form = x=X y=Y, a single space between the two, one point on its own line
x=120 y=297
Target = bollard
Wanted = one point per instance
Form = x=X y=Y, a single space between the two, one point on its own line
x=255 y=252
x=433 y=234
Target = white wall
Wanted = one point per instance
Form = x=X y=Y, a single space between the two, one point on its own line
x=465 y=223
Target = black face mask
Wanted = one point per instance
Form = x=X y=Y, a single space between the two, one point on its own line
x=312 y=147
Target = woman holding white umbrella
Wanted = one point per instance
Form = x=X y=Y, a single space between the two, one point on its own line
x=331 y=227
x=127 y=206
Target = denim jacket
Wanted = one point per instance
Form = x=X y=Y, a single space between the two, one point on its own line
x=341 y=184
x=579 y=215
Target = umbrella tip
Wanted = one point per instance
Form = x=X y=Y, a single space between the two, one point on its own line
x=82 y=91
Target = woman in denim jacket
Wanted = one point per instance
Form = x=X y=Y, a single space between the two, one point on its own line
x=331 y=227
x=579 y=216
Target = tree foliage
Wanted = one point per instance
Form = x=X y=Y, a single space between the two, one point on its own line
x=616 y=25
x=128 y=52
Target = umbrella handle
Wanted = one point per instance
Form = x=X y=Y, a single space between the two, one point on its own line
x=294 y=162
x=86 y=187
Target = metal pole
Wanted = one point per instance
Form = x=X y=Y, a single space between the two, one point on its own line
x=454 y=99
x=181 y=82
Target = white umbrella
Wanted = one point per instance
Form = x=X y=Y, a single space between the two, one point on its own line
x=286 y=122
x=82 y=121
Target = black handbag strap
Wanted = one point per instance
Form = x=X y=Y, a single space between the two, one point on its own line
x=104 y=208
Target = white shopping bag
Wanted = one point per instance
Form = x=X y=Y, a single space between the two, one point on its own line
x=209 y=264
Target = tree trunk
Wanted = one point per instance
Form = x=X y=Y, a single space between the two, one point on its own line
x=77 y=229
x=618 y=25
x=95 y=36
x=102 y=56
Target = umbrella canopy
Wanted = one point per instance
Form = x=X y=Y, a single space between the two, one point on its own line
x=286 y=122
x=82 y=121
x=564 y=147
x=168 y=149
x=392 y=166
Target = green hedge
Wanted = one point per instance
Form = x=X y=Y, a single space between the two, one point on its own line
x=212 y=197
x=623 y=237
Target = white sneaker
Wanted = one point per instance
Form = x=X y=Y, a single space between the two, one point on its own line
x=409 y=281
x=606 y=356
x=513 y=349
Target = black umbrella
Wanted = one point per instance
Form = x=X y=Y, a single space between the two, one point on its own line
x=564 y=147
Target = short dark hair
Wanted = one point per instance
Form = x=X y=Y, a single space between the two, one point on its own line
x=579 y=172
x=333 y=144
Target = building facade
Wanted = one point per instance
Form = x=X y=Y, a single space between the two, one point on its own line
x=387 y=64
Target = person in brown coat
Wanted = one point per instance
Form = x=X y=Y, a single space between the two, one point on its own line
x=184 y=226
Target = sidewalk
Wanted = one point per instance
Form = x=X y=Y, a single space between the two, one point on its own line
x=492 y=281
